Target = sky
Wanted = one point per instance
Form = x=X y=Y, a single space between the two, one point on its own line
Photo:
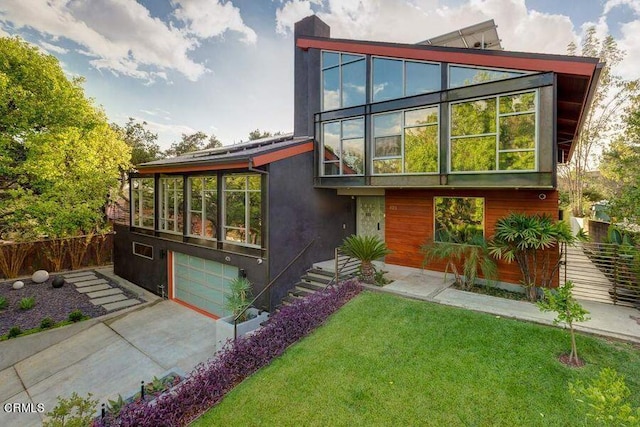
x=226 y=67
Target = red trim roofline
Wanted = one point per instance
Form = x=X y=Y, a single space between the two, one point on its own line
x=468 y=57
x=257 y=160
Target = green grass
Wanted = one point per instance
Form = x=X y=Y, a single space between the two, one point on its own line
x=384 y=360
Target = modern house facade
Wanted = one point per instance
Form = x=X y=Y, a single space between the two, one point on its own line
x=410 y=142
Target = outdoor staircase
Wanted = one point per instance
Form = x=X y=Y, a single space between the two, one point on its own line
x=321 y=275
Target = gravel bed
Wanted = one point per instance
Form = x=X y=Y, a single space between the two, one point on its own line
x=50 y=302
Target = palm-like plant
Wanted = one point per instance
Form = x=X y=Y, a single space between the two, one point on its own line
x=473 y=254
x=366 y=249
x=239 y=297
x=526 y=239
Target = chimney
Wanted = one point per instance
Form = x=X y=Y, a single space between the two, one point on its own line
x=307 y=95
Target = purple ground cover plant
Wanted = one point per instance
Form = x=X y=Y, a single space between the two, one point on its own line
x=210 y=381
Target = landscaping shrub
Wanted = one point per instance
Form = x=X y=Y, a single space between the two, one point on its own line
x=27 y=303
x=209 y=382
x=46 y=323
x=76 y=316
x=14 y=332
x=3 y=303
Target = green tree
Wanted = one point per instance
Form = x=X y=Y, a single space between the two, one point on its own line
x=620 y=166
x=569 y=310
x=58 y=156
x=608 y=102
x=193 y=142
x=142 y=141
x=258 y=134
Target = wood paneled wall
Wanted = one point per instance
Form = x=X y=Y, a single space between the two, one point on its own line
x=409 y=220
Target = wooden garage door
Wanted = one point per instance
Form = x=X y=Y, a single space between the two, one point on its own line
x=202 y=283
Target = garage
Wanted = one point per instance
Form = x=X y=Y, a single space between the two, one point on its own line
x=201 y=283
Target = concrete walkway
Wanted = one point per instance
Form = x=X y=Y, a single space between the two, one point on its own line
x=110 y=357
x=607 y=320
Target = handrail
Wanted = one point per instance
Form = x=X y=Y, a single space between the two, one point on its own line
x=338 y=268
x=266 y=288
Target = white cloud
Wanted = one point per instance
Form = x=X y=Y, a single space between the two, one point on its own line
x=210 y=18
x=290 y=13
x=53 y=48
x=121 y=36
x=410 y=22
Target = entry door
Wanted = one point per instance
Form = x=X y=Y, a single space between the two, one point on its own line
x=371 y=216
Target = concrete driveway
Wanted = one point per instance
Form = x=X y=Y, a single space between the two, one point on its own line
x=109 y=358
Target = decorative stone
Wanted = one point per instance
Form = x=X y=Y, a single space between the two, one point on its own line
x=40 y=276
x=18 y=284
x=58 y=282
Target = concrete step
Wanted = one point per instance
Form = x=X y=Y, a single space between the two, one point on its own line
x=316 y=279
x=90 y=283
x=87 y=289
x=302 y=291
x=105 y=293
x=121 y=304
x=108 y=299
x=78 y=274
x=79 y=279
x=310 y=286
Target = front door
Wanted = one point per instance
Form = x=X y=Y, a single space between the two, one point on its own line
x=371 y=216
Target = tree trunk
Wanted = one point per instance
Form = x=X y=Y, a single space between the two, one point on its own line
x=574 y=348
x=368 y=272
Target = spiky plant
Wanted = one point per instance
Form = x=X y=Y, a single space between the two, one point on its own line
x=366 y=249
x=527 y=239
x=473 y=254
x=239 y=297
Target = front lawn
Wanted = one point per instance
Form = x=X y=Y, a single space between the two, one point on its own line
x=384 y=360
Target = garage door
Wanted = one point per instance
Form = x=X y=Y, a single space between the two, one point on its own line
x=202 y=283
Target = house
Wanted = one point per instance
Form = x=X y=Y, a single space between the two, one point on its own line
x=410 y=142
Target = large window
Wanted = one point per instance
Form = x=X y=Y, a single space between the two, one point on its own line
x=243 y=209
x=142 y=202
x=396 y=78
x=203 y=207
x=343 y=80
x=171 y=197
x=467 y=76
x=406 y=141
x=494 y=134
x=458 y=219
x=343 y=147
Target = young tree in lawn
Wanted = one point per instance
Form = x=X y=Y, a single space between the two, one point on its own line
x=569 y=311
x=58 y=155
x=601 y=121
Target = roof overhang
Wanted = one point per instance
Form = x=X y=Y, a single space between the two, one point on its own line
x=241 y=160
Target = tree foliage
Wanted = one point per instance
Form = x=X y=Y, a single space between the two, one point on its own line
x=58 y=155
x=142 y=141
x=608 y=102
x=620 y=166
x=366 y=249
x=193 y=142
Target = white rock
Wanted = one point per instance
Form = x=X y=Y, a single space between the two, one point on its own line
x=18 y=284
x=40 y=276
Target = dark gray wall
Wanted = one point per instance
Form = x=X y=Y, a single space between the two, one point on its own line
x=307 y=76
x=299 y=213
x=150 y=274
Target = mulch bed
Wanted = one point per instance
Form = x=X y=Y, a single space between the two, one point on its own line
x=50 y=302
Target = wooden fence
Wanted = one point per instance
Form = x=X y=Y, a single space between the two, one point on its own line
x=22 y=259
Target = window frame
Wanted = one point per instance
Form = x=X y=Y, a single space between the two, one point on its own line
x=139 y=199
x=141 y=255
x=403 y=129
x=202 y=212
x=163 y=208
x=341 y=140
x=473 y=67
x=339 y=67
x=496 y=134
x=247 y=210
x=435 y=212
x=404 y=62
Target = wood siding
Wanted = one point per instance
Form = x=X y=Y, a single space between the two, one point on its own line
x=409 y=220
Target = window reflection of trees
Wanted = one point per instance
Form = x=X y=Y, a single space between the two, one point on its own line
x=458 y=219
x=243 y=209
